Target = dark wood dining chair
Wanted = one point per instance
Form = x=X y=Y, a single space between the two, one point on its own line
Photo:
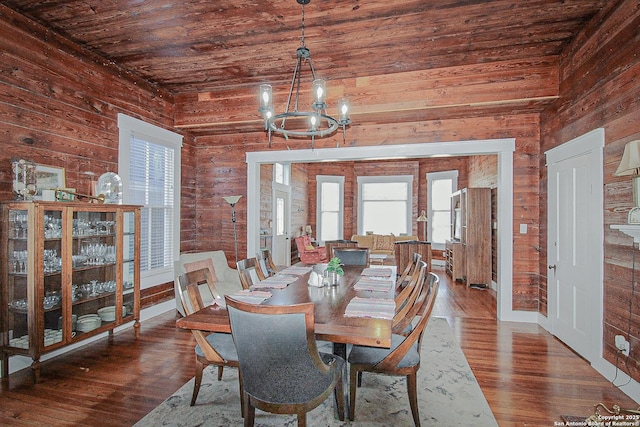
x=266 y=263
x=216 y=349
x=249 y=271
x=282 y=371
x=403 y=358
x=352 y=256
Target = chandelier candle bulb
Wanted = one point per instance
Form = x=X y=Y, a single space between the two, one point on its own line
x=343 y=109
x=319 y=90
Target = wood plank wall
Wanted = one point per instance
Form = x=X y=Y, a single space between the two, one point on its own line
x=599 y=74
x=523 y=127
x=77 y=129
x=59 y=107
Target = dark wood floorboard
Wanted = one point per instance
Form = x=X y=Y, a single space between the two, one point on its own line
x=528 y=377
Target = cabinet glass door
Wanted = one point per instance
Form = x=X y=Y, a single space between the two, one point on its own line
x=128 y=263
x=17 y=279
x=49 y=262
x=93 y=262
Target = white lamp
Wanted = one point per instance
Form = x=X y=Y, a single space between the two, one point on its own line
x=423 y=218
x=630 y=162
x=232 y=200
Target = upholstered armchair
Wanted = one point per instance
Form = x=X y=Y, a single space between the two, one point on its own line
x=308 y=253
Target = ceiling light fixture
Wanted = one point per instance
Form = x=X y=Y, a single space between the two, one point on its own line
x=303 y=124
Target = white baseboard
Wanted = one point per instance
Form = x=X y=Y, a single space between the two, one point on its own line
x=18 y=363
x=628 y=385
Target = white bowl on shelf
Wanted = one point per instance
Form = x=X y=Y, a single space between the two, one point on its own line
x=88 y=323
x=108 y=314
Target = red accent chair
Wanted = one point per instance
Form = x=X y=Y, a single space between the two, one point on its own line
x=307 y=254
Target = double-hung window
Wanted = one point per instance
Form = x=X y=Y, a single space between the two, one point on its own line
x=385 y=204
x=440 y=186
x=149 y=165
x=330 y=207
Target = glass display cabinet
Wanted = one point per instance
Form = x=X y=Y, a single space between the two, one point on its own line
x=68 y=271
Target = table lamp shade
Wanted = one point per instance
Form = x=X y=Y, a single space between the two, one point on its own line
x=630 y=162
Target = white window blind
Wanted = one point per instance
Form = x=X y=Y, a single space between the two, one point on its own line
x=149 y=165
x=151 y=185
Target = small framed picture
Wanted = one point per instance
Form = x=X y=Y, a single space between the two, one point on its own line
x=48 y=178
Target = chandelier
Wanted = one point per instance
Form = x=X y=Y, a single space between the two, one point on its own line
x=294 y=123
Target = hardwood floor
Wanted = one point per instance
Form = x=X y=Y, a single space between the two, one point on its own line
x=528 y=377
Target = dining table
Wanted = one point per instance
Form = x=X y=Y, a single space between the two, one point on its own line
x=330 y=304
x=358 y=309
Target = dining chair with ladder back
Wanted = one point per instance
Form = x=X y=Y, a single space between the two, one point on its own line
x=266 y=263
x=405 y=304
x=404 y=324
x=408 y=271
x=282 y=371
x=403 y=358
x=409 y=295
x=250 y=272
x=352 y=256
x=216 y=348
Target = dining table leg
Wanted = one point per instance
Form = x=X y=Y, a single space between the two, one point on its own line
x=340 y=349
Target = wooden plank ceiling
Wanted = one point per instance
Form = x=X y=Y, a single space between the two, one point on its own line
x=222 y=50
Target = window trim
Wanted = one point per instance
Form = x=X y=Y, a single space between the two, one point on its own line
x=320 y=179
x=432 y=176
x=381 y=179
x=126 y=126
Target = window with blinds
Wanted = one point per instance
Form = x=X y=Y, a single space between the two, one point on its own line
x=150 y=174
x=151 y=185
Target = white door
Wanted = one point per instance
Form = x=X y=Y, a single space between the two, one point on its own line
x=575 y=261
x=281 y=243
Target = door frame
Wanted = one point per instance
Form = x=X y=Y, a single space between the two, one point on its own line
x=592 y=144
x=502 y=148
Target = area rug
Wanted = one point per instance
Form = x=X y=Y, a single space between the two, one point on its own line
x=448 y=395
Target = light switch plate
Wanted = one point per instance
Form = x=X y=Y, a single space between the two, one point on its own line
x=523 y=228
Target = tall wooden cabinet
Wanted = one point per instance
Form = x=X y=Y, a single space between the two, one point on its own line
x=68 y=271
x=473 y=221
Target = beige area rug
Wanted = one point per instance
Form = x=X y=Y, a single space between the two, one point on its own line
x=448 y=395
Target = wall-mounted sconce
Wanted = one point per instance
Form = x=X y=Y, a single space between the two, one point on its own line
x=630 y=165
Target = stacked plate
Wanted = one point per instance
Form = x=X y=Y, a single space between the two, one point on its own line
x=108 y=314
x=88 y=322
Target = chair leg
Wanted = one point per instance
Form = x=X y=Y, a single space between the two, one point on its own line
x=250 y=411
x=302 y=420
x=353 y=378
x=412 y=388
x=220 y=369
x=197 y=381
x=242 y=402
x=339 y=394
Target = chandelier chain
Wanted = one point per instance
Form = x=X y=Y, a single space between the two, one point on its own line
x=302 y=39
